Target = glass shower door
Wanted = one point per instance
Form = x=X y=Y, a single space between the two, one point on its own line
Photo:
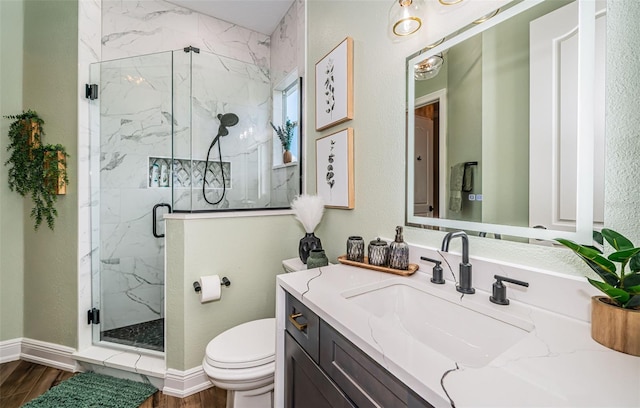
x=130 y=174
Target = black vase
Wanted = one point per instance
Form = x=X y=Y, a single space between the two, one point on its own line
x=307 y=243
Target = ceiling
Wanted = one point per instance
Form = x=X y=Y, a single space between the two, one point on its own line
x=262 y=16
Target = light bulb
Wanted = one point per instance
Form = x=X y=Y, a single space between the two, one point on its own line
x=404 y=17
x=429 y=67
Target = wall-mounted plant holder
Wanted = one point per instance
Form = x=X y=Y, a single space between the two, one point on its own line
x=36 y=170
x=32 y=130
x=58 y=184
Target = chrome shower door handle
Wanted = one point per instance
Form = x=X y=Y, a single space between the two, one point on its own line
x=155 y=218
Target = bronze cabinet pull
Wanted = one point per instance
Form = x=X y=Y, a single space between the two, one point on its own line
x=292 y=319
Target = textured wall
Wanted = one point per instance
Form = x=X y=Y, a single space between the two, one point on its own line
x=622 y=188
x=11 y=226
x=380 y=141
x=50 y=88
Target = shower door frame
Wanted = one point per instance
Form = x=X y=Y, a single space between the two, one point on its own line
x=95 y=182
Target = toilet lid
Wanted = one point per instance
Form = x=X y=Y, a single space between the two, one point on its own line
x=248 y=345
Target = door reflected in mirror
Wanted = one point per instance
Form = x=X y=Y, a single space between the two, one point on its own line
x=495 y=144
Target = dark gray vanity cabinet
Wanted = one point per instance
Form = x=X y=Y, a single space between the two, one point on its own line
x=324 y=369
x=307 y=386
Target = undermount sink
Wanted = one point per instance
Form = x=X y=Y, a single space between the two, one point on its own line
x=468 y=336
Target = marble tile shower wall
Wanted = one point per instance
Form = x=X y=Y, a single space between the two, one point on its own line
x=135 y=123
x=131 y=259
x=223 y=85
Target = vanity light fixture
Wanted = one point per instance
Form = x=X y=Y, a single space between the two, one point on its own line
x=449 y=2
x=428 y=68
x=404 y=17
x=487 y=16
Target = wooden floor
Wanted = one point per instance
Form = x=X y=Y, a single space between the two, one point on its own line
x=21 y=381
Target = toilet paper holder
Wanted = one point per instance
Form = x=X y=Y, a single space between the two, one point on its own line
x=223 y=282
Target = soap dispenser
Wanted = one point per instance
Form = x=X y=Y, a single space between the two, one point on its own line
x=399 y=252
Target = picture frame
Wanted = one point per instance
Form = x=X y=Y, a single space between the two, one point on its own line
x=334 y=169
x=334 y=86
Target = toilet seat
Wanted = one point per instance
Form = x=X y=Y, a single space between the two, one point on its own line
x=249 y=345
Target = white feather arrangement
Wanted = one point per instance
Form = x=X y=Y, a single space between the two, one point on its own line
x=308 y=209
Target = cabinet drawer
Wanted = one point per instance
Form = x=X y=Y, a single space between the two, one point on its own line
x=304 y=326
x=307 y=386
x=364 y=381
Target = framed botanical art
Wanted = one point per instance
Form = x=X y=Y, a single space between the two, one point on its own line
x=334 y=86
x=334 y=169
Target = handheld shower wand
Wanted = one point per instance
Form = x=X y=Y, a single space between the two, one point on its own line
x=226 y=120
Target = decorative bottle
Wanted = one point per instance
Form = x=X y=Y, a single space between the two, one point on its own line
x=155 y=176
x=399 y=252
x=164 y=175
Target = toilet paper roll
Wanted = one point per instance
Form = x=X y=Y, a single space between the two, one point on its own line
x=209 y=288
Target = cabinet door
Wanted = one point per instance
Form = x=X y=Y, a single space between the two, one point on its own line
x=363 y=380
x=306 y=385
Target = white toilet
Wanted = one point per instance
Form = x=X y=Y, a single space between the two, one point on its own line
x=241 y=360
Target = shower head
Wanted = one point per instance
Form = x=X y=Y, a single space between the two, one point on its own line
x=226 y=120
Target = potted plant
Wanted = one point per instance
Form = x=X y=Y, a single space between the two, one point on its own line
x=615 y=318
x=37 y=170
x=286 y=136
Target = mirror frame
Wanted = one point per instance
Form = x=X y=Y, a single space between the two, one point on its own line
x=585 y=109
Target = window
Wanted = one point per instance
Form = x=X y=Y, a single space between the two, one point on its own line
x=286 y=106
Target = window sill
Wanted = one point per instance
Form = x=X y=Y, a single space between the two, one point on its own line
x=281 y=166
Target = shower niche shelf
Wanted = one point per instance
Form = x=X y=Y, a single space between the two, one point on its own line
x=187 y=173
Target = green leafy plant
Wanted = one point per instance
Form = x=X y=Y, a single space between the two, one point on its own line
x=622 y=286
x=35 y=169
x=285 y=135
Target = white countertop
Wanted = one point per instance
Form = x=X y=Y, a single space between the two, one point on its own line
x=555 y=364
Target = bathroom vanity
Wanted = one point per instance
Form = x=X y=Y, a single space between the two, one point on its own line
x=348 y=336
x=324 y=369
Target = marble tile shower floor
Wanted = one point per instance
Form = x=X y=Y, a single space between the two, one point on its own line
x=149 y=335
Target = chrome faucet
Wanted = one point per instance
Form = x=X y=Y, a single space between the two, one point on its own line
x=464 y=281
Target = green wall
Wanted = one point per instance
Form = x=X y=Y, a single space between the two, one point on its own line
x=248 y=250
x=464 y=120
x=505 y=127
x=50 y=87
x=11 y=226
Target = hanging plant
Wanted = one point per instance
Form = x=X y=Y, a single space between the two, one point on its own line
x=37 y=170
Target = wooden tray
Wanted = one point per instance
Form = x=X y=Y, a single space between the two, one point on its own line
x=412 y=267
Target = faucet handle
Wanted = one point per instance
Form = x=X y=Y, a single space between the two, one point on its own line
x=437 y=270
x=499 y=296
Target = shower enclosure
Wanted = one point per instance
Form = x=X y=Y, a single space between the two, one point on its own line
x=152 y=125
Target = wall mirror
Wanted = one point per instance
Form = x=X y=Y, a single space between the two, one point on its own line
x=505 y=125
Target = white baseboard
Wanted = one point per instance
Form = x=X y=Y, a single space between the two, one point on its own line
x=181 y=384
x=10 y=350
x=49 y=354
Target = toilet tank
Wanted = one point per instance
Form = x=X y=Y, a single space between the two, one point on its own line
x=293 y=265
